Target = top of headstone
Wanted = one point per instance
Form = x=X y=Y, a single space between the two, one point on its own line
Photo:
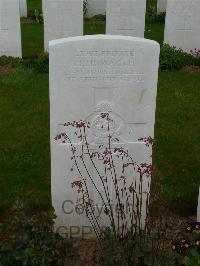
x=102 y=37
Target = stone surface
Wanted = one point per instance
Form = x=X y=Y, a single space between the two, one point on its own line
x=62 y=18
x=96 y=7
x=198 y=208
x=10 y=31
x=182 y=24
x=126 y=17
x=91 y=75
x=23 y=8
x=161 y=6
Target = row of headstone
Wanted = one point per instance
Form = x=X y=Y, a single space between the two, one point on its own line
x=65 y=18
x=127 y=18
x=182 y=25
x=96 y=7
x=10 y=29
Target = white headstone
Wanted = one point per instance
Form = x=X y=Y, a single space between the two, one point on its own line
x=198 y=208
x=10 y=31
x=161 y=6
x=126 y=17
x=23 y=8
x=91 y=75
x=96 y=7
x=62 y=18
x=182 y=24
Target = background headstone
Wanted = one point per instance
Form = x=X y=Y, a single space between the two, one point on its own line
x=10 y=30
x=182 y=24
x=96 y=7
x=62 y=18
x=23 y=8
x=126 y=17
x=161 y=6
x=93 y=74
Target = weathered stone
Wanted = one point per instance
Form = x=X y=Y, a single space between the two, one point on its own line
x=90 y=76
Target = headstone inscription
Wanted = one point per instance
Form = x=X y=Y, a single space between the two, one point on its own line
x=91 y=75
x=126 y=17
x=10 y=31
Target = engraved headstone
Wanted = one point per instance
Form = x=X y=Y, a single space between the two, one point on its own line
x=182 y=24
x=126 y=17
x=91 y=76
x=62 y=18
x=10 y=30
x=161 y=6
x=23 y=8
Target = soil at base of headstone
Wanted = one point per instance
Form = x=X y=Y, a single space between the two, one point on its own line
x=28 y=21
x=86 y=253
x=94 y=21
x=87 y=248
x=6 y=69
x=191 y=69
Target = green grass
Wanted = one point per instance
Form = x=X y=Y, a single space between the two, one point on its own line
x=24 y=143
x=89 y=29
x=24 y=132
x=177 y=135
x=151 y=2
x=155 y=32
x=34 y=5
x=32 y=40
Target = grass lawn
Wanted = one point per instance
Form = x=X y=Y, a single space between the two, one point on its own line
x=32 y=40
x=24 y=132
x=34 y=5
x=25 y=173
x=177 y=134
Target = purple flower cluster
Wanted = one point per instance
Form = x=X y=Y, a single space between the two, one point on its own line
x=195 y=52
